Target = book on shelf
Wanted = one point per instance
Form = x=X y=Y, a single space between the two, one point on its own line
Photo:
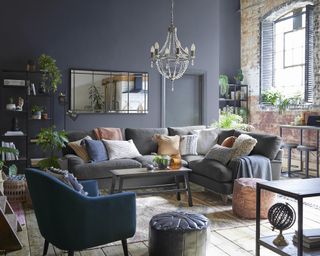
x=310 y=235
x=311 y=245
x=14 y=82
x=14 y=133
x=8 y=156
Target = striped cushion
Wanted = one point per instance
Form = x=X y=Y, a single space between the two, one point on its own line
x=188 y=144
x=80 y=148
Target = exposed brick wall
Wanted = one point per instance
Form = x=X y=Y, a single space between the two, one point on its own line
x=252 y=11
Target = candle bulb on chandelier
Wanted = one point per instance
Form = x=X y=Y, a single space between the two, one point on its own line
x=193 y=50
x=156 y=48
x=166 y=52
x=152 y=51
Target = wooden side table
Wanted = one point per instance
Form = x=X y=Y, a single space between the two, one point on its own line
x=296 y=189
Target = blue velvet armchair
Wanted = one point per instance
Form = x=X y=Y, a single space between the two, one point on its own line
x=73 y=222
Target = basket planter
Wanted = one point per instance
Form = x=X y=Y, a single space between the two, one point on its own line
x=15 y=190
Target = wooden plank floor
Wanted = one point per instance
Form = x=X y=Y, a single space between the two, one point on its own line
x=229 y=235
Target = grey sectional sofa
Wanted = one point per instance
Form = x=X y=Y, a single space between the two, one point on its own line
x=208 y=173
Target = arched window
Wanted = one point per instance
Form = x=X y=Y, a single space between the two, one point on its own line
x=286 y=57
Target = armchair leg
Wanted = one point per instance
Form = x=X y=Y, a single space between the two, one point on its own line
x=45 y=247
x=70 y=253
x=125 y=247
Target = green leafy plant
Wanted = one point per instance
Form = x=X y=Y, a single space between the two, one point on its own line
x=95 y=97
x=8 y=150
x=51 y=140
x=51 y=73
x=276 y=98
x=36 y=108
x=162 y=161
x=229 y=120
x=239 y=76
x=224 y=85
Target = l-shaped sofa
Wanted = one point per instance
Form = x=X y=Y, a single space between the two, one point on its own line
x=208 y=173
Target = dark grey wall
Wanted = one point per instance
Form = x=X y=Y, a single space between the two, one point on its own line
x=115 y=35
x=229 y=60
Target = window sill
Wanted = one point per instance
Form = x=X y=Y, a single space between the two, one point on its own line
x=272 y=108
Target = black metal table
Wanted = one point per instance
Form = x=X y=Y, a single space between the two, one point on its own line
x=119 y=175
x=297 y=189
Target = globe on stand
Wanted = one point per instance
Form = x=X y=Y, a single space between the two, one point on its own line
x=281 y=216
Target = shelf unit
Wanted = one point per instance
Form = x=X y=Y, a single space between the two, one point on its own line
x=28 y=150
x=236 y=98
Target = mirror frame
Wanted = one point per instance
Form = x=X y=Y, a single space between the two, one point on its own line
x=129 y=74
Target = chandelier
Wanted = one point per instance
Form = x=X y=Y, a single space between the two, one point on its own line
x=172 y=60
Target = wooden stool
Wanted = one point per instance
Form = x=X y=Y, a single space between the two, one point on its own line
x=289 y=147
x=244 y=199
x=306 y=149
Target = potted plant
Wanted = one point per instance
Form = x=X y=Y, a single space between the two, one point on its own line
x=51 y=76
x=12 y=168
x=36 y=111
x=49 y=139
x=224 y=85
x=95 y=97
x=238 y=77
x=44 y=114
x=162 y=161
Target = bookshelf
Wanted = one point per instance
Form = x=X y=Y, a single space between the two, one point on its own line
x=29 y=90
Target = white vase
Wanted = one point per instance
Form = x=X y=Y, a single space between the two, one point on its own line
x=11 y=106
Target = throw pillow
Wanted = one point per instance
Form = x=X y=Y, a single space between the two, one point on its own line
x=206 y=139
x=167 y=145
x=118 y=149
x=67 y=178
x=79 y=149
x=243 y=145
x=96 y=150
x=188 y=145
x=108 y=133
x=220 y=153
x=229 y=141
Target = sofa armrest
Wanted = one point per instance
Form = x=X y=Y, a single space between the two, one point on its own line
x=73 y=160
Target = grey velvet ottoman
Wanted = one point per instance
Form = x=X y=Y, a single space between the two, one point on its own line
x=178 y=234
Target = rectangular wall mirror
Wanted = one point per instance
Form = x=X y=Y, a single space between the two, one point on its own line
x=108 y=92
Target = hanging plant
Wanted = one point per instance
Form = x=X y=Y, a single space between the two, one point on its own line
x=224 y=85
x=51 y=74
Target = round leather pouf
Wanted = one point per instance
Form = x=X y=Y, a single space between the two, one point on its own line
x=244 y=199
x=177 y=234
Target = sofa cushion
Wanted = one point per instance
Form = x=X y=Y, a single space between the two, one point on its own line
x=167 y=145
x=220 y=153
x=206 y=139
x=96 y=150
x=108 y=133
x=80 y=149
x=188 y=144
x=243 y=145
x=118 y=149
x=73 y=136
x=267 y=145
x=229 y=141
x=99 y=170
x=185 y=130
x=190 y=158
x=225 y=133
x=142 y=138
x=211 y=169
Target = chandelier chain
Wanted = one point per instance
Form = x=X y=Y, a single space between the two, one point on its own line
x=172 y=6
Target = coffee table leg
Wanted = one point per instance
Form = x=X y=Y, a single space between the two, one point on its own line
x=113 y=184
x=178 y=187
x=186 y=181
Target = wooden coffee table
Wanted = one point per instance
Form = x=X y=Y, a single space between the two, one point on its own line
x=119 y=175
